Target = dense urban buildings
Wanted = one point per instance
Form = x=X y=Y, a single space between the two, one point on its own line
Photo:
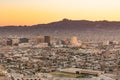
x=46 y=58
x=83 y=45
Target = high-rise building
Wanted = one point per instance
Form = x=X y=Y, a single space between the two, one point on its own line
x=74 y=41
x=9 y=42
x=44 y=39
x=15 y=41
x=47 y=40
x=40 y=39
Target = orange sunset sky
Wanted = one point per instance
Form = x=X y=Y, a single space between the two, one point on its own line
x=30 y=12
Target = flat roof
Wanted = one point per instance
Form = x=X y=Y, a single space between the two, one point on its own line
x=88 y=71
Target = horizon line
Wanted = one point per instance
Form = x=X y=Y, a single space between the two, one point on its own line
x=24 y=25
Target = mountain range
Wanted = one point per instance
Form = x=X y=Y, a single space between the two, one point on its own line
x=66 y=28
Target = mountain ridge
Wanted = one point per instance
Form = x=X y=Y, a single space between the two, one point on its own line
x=84 y=29
x=68 y=20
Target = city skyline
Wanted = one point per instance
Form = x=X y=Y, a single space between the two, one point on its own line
x=30 y=12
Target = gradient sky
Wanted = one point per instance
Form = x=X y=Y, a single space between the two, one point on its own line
x=29 y=12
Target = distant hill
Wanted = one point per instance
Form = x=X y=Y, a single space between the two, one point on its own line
x=67 y=27
x=80 y=24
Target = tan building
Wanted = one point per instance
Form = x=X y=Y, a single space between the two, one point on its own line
x=74 y=41
x=40 y=39
x=44 y=39
x=84 y=71
x=15 y=41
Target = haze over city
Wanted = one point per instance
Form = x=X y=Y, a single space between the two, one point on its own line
x=30 y=12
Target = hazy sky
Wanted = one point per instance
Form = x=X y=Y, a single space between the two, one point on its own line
x=28 y=12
